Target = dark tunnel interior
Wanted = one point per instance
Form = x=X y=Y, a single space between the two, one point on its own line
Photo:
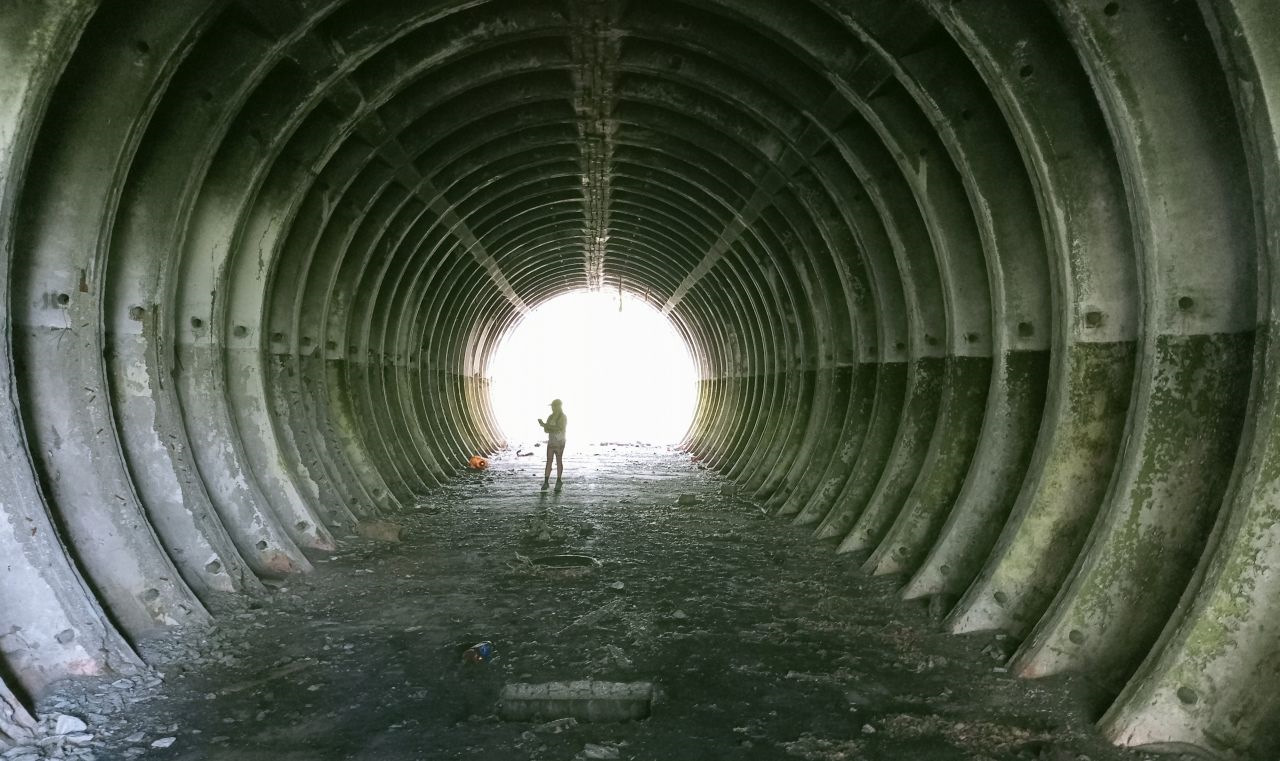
x=979 y=289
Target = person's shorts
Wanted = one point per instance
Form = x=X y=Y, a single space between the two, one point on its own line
x=555 y=447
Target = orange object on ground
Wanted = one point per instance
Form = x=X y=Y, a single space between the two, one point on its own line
x=477 y=462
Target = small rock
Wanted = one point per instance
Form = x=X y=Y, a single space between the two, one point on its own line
x=593 y=751
x=557 y=726
x=80 y=738
x=679 y=615
x=867 y=729
x=122 y=684
x=687 y=500
x=617 y=585
x=136 y=737
x=164 y=742
x=66 y=725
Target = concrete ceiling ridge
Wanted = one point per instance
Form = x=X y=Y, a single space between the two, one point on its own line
x=981 y=291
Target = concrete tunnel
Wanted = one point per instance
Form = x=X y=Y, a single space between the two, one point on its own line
x=982 y=289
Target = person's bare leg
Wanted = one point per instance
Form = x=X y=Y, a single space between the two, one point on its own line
x=546 y=477
x=559 y=465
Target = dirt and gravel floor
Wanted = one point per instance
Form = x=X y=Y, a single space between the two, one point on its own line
x=763 y=644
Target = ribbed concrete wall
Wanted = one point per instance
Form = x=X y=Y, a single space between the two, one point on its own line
x=981 y=290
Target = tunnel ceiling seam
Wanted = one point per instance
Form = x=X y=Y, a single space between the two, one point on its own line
x=596 y=49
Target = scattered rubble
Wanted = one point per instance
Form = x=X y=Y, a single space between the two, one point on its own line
x=765 y=643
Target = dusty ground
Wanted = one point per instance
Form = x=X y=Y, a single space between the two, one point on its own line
x=764 y=643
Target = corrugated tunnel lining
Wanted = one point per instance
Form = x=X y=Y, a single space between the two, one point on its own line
x=980 y=290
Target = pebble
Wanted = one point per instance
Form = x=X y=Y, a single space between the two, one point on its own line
x=593 y=751
x=164 y=742
x=557 y=726
x=66 y=725
x=617 y=585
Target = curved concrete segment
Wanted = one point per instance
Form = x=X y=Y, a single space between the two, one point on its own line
x=981 y=292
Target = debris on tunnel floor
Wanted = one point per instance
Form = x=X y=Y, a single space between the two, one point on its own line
x=585 y=700
x=761 y=643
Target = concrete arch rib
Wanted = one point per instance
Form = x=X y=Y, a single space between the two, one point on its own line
x=1091 y=373
x=59 y=341
x=1195 y=350
x=43 y=595
x=1205 y=682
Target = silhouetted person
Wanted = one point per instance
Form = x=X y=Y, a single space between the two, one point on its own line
x=554 y=426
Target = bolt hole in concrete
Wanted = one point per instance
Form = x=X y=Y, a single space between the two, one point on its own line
x=621 y=368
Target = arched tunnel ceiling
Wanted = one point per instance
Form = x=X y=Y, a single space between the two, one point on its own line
x=979 y=289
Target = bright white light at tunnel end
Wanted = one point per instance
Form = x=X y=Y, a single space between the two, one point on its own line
x=624 y=375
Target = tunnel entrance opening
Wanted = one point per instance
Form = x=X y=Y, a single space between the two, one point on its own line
x=621 y=368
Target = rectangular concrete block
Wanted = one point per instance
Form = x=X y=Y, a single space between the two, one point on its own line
x=585 y=700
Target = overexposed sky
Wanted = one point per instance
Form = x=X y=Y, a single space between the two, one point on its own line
x=624 y=375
